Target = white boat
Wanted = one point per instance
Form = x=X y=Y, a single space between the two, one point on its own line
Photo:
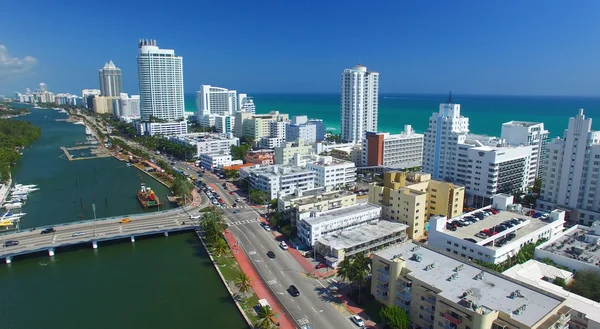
x=19 y=196
x=24 y=190
x=79 y=123
x=18 y=186
x=13 y=205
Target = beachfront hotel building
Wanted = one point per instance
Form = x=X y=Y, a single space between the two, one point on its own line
x=412 y=198
x=572 y=172
x=397 y=151
x=129 y=107
x=298 y=127
x=246 y=103
x=359 y=103
x=528 y=133
x=216 y=101
x=111 y=84
x=442 y=292
x=160 y=74
x=485 y=165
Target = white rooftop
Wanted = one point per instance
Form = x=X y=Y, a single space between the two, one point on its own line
x=580 y=243
x=362 y=234
x=491 y=292
x=345 y=211
x=533 y=272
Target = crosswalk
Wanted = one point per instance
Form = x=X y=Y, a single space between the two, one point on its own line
x=242 y=222
x=238 y=207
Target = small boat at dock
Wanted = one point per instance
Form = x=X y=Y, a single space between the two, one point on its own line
x=13 y=205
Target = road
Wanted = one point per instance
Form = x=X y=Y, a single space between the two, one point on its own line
x=106 y=229
x=314 y=304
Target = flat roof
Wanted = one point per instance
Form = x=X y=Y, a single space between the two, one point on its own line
x=362 y=234
x=572 y=245
x=492 y=291
x=529 y=226
x=333 y=214
x=315 y=195
x=268 y=171
x=532 y=273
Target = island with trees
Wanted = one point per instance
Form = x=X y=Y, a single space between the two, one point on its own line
x=14 y=135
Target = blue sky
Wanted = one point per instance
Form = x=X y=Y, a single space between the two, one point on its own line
x=537 y=47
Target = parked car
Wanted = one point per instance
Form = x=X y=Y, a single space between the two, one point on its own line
x=294 y=291
x=283 y=245
x=267 y=228
x=471 y=240
x=48 y=230
x=231 y=193
x=357 y=320
x=320 y=266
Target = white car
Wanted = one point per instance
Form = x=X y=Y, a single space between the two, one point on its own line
x=78 y=234
x=194 y=216
x=357 y=320
x=283 y=245
x=266 y=227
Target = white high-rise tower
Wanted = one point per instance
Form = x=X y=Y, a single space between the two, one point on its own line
x=359 y=103
x=160 y=74
x=110 y=80
x=216 y=100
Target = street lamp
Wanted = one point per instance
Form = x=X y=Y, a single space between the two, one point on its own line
x=94 y=226
x=314 y=316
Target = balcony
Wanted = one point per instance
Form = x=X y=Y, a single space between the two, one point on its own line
x=456 y=319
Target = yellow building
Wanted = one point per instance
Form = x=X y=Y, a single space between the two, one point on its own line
x=284 y=154
x=257 y=126
x=103 y=105
x=441 y=292
x=412 y=198
x=318 y=199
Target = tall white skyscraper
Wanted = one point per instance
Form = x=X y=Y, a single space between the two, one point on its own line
x=570 y=178
x=359 y=103
x=160 y=74
x=216 y=100
x=110 y=80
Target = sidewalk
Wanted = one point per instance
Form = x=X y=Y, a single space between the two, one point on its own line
x=258 y=285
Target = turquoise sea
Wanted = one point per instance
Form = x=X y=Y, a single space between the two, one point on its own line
x=486 y=113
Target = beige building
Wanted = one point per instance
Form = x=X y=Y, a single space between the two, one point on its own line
x=285 y=153
x=301 y=201
x=441 y=292
x=257 y=126
x=104 y=105
x=412 y=198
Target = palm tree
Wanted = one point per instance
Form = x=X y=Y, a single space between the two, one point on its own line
x=266 y=318
x=219 y=247
x=359 y=271
x=343 y=269
x=243 y=283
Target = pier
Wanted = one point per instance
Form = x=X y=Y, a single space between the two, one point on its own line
x=96 y=151
x=94 y=232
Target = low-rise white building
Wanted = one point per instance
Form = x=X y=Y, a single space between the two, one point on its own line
x=225 y=124
x=270 y=142
x=208 y=142
x=299 y=127
x=332 y=172
x=312 y=224
x=162 y=128
x=212 y=161
x=497 y=237
x=577 y=248
x=278 y=180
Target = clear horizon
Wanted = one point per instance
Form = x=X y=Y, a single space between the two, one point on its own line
x=472 y=48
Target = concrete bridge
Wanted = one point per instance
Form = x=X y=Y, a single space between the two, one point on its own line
x=97 y=231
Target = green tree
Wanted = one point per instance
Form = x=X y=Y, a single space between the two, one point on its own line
x=181 y=187
x=288 y=230
x=394 y=317
x=213 y=225
x=586 y=284
x=243 y=283
x=258 y=197
x=219 y=246
x=239 y=152
x=344 y=268
x=359 y=271
x=266 y=318
x=231 y=174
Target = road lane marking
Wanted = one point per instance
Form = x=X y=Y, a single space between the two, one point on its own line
x=272 y=282
x=321 y=284
x=302 y=321
x=252 y=252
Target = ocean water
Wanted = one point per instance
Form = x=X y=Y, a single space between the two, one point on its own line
x=486 y=113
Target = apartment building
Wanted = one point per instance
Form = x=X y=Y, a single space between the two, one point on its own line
x=359 y=103
x=277 y=181
x=208 y=142
x=212 y=161
x=349 y=153
x=572 y=170
x=412 y=198
x=164 y=129
x=260 y=157
x=528 y=133
x=284 y=154
x=320 y=199
x=256 y=126
x=299 y=127
x=585 y=313
x=439 y=291
x=399 y=151
x=216 y=101
x=495 y=233
x=332 y=172
x=225 y=124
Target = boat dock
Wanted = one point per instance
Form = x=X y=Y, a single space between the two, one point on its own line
x=95 y=152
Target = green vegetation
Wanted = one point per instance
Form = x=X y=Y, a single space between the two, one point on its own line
x=62 y=106
x=259 y=197
x=526 y=253
x=239 y=152
x=14 y=134
x=160 y=143
x=195 y=128
x=266 y=318
x=12 y=112
x=243 y=283
x=537 y=186
x=231 y=174
x=181 y=187
x=334 y=138
x=355 y=270
x=586 y=284
x=394 y=317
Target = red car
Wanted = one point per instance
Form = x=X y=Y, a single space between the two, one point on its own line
x=231 y=193
x=320 y=265
x=220 y=200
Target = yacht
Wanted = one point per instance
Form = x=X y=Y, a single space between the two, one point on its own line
x=13 y=205
x=20 y=186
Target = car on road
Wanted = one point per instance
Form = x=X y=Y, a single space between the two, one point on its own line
x=266 y=227
x=271 y=254
x=48 y=230
x=320 y=266
x=231 y=193
x=78 y=234
x=235 y=211
x=194 y=216
x=10 y=243
x=224 y=184
x=283 y=245
x=234 y=205
x=125 y=220
x=357 y=320
x=238 y=200
x=294 y=291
